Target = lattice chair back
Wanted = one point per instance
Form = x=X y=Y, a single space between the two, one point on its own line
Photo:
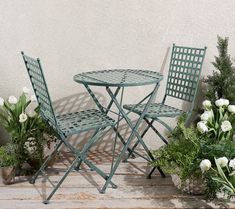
x=184 y=72
x=38 y=82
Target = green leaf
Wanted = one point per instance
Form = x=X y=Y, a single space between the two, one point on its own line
x=231 y=190
x=219 y=180
x=223 y=176
x=232 y=173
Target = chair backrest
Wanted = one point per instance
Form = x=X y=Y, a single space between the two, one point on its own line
x=38 y=82
x=184 y=72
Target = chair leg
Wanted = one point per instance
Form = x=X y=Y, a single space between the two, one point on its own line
x=164 y=124
x=41 y=169
x=100 y=172
x=61 y=180
x=151 y=172
x=150 y=125
x=83 y=153
x=156 y=131
x=130 y=153
x=81 y=157
x=95 y=133
x=136 y=144
x=153 y=169
x=89 y=163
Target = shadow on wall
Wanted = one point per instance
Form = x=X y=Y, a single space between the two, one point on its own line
x=76 y=102
x=83 y=101
x=195 y=117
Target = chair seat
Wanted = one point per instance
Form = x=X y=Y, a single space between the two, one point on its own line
x=73 y=123
x=155 y=110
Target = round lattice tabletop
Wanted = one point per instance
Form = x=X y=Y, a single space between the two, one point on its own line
x=119 y=77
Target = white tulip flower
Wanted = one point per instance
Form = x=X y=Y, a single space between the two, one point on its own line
x=205 y=165
x=1 y=101
x=206 y=115
x=30 y=145
x=226 y=102
x=23 y=117
x=222 y=161
x=33 y=98
x=221 y=102
x=231 y=108
x=226 y=126
x=232 y=163
x=201 y=126
x=26 y=90
x=12 y=100
x=206 y=104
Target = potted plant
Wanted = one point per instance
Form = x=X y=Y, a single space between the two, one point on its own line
x=8 y=161
x=216 y=167
x=195 y=147
x=180 y=158
x=20 y=117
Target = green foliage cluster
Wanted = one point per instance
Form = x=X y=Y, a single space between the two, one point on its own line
x=221 y=84
x=28 y=136
x=180 y=156
x=211 y=151
x=8 y=157
x=223 y=148
x=212 y=186
x=186 y=149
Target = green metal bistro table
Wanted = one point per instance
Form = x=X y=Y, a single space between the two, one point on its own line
x=119 y=79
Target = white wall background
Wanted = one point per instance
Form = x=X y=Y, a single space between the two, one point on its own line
x=72 y=36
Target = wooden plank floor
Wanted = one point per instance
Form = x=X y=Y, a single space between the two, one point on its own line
x=80 y=190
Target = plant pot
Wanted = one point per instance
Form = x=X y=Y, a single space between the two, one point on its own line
x=34 y=163
x=193 y=185
x=7 y=175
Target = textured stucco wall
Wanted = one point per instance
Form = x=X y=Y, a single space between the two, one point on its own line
x=72 y=36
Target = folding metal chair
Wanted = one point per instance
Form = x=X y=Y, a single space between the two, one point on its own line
x=66 y=125
x=182 y=83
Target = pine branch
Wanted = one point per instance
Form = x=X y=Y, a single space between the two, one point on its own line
x=221 y=83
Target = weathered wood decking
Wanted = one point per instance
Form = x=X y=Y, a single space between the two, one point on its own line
x=80 y=190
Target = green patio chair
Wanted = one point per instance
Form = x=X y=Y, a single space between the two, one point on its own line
x=182 y=83
x=66 y=125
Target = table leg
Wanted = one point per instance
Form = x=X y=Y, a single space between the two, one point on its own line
x=134 y=132
x=101 y=108
x=118 y=122
x=136 y=144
